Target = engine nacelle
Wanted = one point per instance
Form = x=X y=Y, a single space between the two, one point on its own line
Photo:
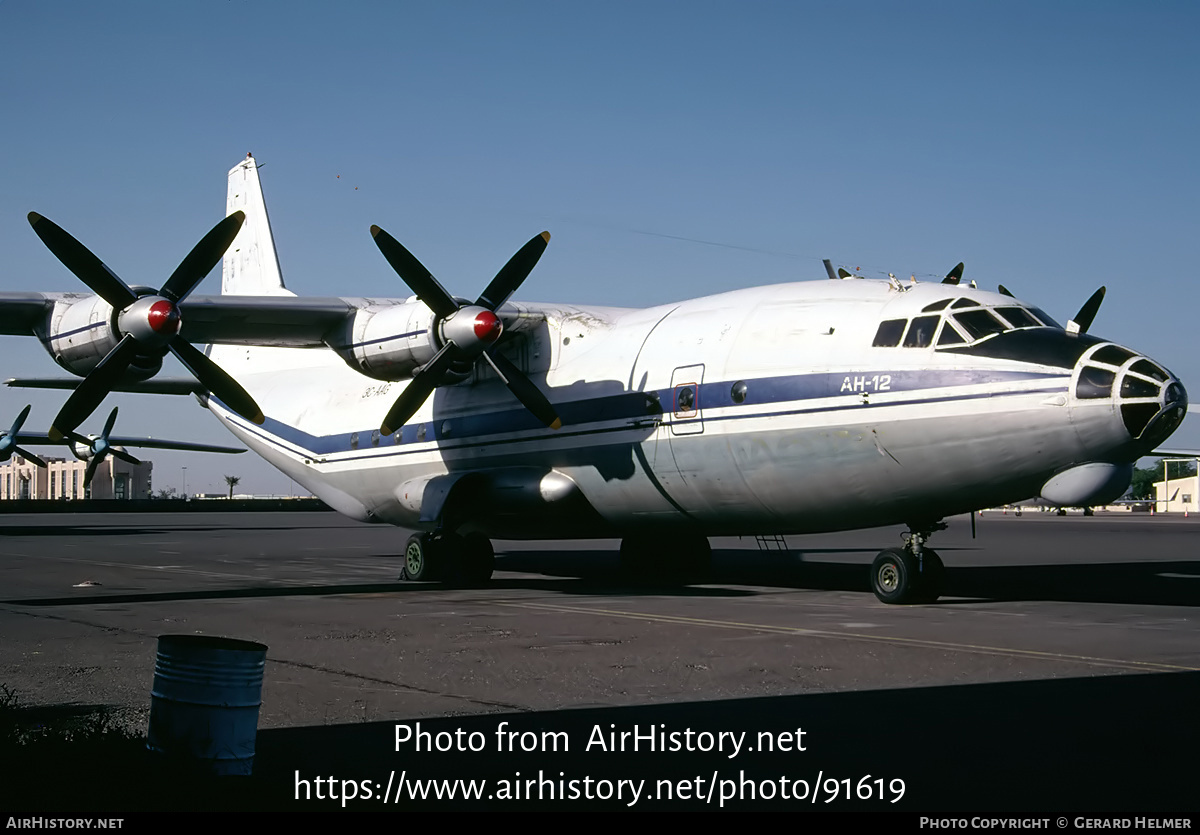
x=81 y=451
x=81 y=330
x=388 y=342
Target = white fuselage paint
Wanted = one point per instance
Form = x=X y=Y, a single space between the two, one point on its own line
x=832 y=434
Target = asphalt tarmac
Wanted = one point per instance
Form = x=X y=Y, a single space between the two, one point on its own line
x=1057 y=676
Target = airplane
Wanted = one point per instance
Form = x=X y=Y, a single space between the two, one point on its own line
x=797 y=408
x=91 y=448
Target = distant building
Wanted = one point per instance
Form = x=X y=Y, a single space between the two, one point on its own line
x=63 y=479
x=1177 y=495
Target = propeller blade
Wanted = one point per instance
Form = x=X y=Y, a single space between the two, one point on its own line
x=514 y=272
x=414 y=274
x=1083 y=319
x=79 y=259
x=30 y=456
x=418 y=391
x=108 y=424
x=91 y=470
x=20 y=421
x=1006 y=292
x=954 y=276
x=524 y=390
x=226 y=389
x=123 y=455
x=203 y=257
x=94 y=388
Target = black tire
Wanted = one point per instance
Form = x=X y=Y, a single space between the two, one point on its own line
x=476 y=560
x=894 y=576
x=420 y=557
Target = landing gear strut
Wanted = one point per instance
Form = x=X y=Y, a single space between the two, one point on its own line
x=467 y=560
x=912 y=574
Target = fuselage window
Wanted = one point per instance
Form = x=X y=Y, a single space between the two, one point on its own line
x=979 y=323
x=950 y=335
x=920 y=333
x=1113 y=355
x=889 y=333
x=1094 y=383
x=1018 y=317
x=935 y=306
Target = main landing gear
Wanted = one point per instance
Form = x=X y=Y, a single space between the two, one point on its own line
x=912 y=574
x=467 y=560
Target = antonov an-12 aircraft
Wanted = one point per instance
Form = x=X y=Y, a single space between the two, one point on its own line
x=797 y=408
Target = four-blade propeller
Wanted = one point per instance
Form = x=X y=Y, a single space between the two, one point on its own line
x=8 y=441
x=465 y=332
x=100 y=448
x=149 y=324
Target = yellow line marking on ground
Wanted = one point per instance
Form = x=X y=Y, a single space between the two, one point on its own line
x=857 y=636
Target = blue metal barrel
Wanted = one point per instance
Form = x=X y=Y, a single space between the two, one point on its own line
x=206 y=696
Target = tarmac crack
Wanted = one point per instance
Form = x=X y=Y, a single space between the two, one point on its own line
x=398 y=686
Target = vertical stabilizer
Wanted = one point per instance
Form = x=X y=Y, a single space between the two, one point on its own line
x=251 y=266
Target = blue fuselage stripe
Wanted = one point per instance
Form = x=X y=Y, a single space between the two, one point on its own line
x=587 y=417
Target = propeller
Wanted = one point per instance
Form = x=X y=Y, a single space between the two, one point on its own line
x=100 y=448
x=149 y=323
x=467 y=332
x=8 y=441
x=1083 y=319
x=955 y=275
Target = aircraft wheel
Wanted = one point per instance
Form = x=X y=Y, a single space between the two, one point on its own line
x=894 y=576
x=476 y=559
x=420 y=557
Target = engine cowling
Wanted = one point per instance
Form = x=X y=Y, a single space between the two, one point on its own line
x=81 y=330
x=389 y=342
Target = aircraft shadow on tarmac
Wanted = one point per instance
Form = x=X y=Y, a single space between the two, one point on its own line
x=1167 y=583
x=1060 y=747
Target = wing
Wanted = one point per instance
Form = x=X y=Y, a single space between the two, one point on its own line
x=42 y=439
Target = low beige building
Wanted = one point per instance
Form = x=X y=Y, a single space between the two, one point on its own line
x=1179 y=495
x=62 y=478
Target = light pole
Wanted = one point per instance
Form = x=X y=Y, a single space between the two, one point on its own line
x=185 y=484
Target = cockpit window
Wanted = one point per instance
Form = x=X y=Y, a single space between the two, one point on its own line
x=1046 y=320
x=965 y=303
x=1150 y=370
x=979 y=323
x=920 y=333
x=889 y=333
x=1018 y=317
x=935 y=306
x=950 y=335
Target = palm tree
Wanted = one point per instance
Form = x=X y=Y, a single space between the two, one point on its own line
x=232 y=481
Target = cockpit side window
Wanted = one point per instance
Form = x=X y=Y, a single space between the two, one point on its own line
x=979 y=323
x=950 y=335
x=920 y=333
x=1018 y=317
x=1046 y=320
x=889 y=333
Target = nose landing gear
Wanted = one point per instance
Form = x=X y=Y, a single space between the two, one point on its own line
x=912 y=574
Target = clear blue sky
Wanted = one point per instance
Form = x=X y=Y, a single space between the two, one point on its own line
x=1050 y=146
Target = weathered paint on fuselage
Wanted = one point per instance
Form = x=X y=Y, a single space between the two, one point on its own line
x=826 y=432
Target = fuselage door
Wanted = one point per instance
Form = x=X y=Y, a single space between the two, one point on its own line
x=686 y=409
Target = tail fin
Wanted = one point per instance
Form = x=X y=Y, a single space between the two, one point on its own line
x=251 y=266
